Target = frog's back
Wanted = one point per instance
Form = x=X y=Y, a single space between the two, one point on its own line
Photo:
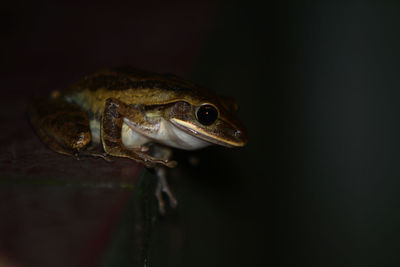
x=133 y=86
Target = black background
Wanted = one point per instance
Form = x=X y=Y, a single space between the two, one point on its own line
x=317 y=84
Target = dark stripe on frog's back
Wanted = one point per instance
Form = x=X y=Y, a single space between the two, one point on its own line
x=121 y=83
x=141 y=74
x=117 y=80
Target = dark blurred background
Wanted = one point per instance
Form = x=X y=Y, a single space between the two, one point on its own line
x=317 y=84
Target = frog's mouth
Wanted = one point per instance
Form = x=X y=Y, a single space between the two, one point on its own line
x=201 y=134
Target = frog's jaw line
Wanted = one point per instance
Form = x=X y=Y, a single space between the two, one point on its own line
x=202 y=134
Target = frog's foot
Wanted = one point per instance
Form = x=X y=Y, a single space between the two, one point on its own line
x=157 y=154
x=151 y=160
x=93 y=152
x=162 y=186
x=97 y=154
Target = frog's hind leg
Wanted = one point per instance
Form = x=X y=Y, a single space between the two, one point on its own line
x=63 y=126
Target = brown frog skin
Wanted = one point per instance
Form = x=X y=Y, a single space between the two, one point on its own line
x=136 y=114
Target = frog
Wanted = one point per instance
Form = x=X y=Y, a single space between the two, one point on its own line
x=136 y=114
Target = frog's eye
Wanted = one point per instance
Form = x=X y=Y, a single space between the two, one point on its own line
x=207 y=114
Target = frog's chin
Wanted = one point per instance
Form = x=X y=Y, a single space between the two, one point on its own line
x=201 y=134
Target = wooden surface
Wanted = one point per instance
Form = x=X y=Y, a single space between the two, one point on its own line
x=59 y=211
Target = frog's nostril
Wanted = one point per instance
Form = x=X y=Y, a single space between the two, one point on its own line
x=237 y=133
x=240 y=136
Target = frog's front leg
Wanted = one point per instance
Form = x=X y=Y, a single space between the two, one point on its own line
x=111 y=134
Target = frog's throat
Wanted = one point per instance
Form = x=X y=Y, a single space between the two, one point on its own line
x=164 y=133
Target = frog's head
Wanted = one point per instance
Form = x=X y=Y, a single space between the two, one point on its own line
x=211 y=121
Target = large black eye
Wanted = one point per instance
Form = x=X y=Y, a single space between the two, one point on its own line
x=207 y=114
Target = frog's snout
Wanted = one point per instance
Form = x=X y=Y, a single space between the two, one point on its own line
x=241 y=137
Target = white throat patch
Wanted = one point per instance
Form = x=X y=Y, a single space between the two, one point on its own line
x=166 y=134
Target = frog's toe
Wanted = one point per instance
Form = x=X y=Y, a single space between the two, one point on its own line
x=158 y=194
x=171 y=163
